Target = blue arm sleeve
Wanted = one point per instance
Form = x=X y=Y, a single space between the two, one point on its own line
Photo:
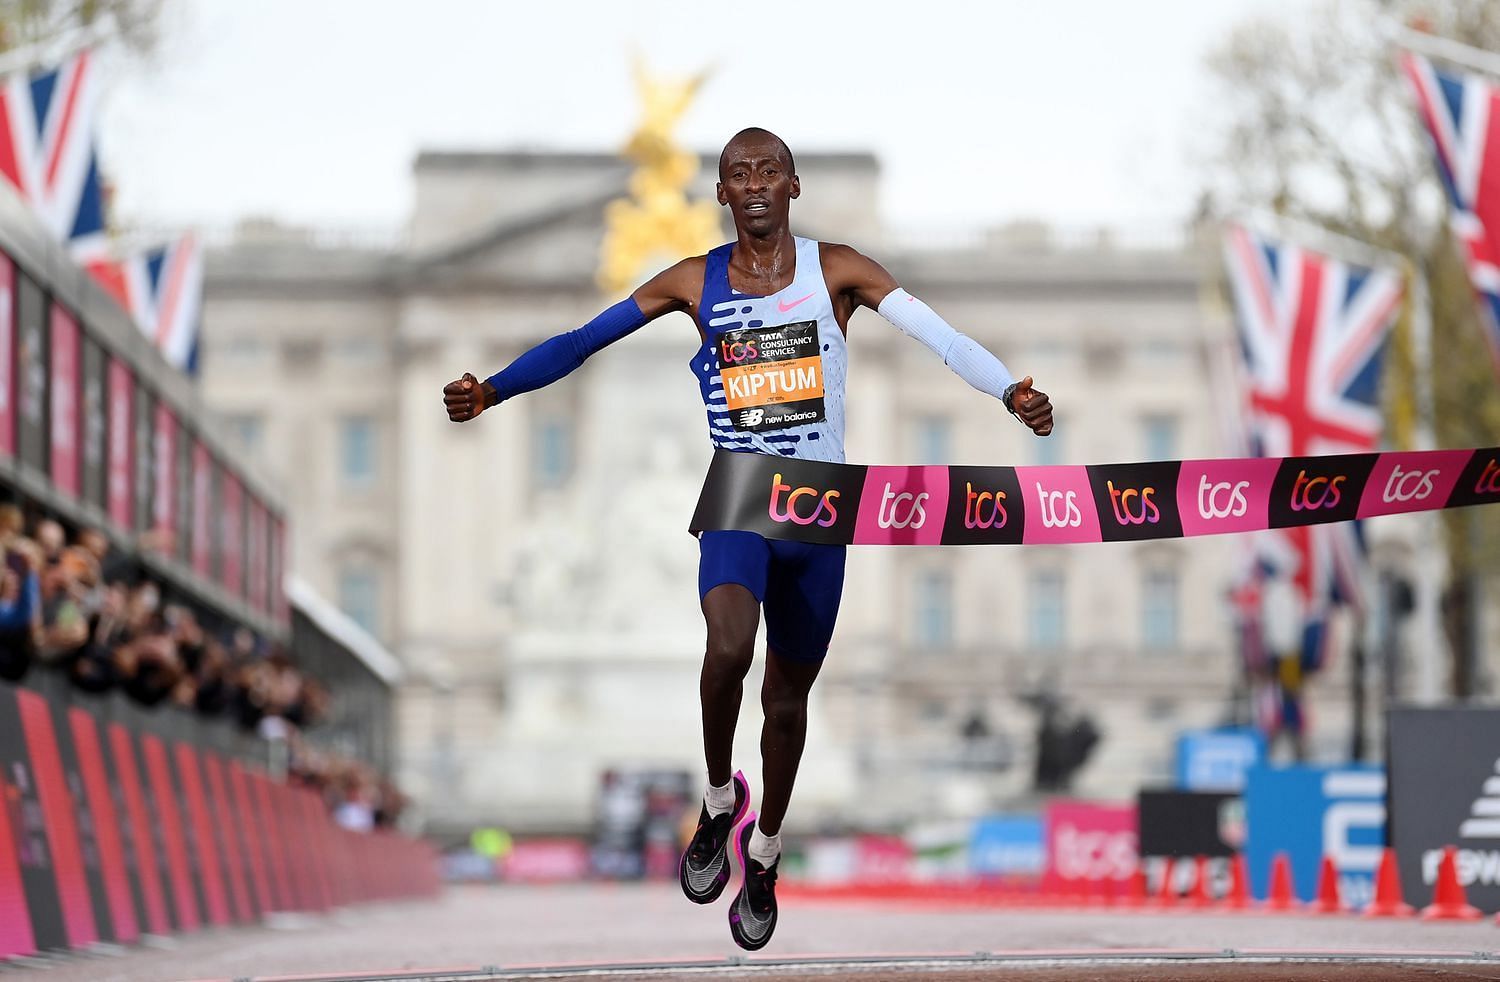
x=557 y=356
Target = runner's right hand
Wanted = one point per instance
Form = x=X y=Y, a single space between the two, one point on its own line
x=464 y=398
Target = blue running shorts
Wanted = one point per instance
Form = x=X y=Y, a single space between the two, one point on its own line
x=798 y=584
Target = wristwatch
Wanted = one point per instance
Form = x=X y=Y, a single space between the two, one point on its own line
x=1007 y=398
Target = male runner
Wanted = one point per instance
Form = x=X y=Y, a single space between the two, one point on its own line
x=762 y=300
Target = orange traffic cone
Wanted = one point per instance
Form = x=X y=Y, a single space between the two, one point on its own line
x=1449 y=902
x=1167 y=895
x=1283 y=895
x=1135 y=891
x=1238 y=897
x=1328 y=900
x=1388 y=902
x=1200 y=897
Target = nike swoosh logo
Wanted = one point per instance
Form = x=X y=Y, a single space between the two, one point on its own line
x=701 y=879
x=784 y=307
x=753 y=927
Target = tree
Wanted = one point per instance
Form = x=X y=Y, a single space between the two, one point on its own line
x=1314 y=122
x=24 y=23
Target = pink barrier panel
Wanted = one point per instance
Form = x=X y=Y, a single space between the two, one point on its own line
x=59 y=810
x=298 y=860
x=173 y=843
x=276 y=844
x=247 y=825
x=319 y=828
x=222 y=819
x=203 y=835
x=147 y=863
x=15 y=918
x=106 y=825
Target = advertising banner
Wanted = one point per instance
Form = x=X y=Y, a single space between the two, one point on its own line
x=1091 y=847
x=121 y=415
x=25 y=857
x=7 y=356
x=98 y=829
x=164 y=477
x=110 y=832
x=95 y=423
x=1008 y=845
x=1312 y=812
x=31 y=372
x=1179 y=826
x=1191 y=823
x=231 y=533
x=815 y=501
x=250 y=837
x=1217 y=760
x=172 y=836
x=144 y=415
x=59 y=818
x=203 y=844
x=1444 y=770
x=64 y=375
x=255 y=553
x=281 y=610
x=143 y=855
x=882 y=859
x=201 y=539
x=226 y=838
x=546 y=861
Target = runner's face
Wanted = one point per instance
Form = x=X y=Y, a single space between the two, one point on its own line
x=757 y=185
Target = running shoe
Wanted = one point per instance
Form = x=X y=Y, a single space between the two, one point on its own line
x=704 y=868
x=752 y=915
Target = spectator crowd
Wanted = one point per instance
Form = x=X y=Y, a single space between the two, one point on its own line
x=86 y=610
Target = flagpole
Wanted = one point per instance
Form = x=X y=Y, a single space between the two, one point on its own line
x=1443 y=48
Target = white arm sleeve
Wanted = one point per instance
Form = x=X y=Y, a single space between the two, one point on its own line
x=963 y=354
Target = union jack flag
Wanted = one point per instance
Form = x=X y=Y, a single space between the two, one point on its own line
x=1462 y=113
x=47 y=150
x=1312 y=332
x=162 y=289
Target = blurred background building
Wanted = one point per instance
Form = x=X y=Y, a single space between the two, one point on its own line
x=532 y=570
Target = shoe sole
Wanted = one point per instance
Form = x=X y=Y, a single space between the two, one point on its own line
x=717 y=890
x=734 y=918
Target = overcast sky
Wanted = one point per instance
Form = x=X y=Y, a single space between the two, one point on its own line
x=1079 y=112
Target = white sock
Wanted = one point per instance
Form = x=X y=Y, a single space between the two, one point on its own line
x=719 y=800
x=764 y=848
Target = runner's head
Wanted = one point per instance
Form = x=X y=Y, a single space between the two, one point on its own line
x=757 y=180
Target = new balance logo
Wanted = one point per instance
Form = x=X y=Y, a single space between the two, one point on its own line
x=1484 y=822
x=752 y=417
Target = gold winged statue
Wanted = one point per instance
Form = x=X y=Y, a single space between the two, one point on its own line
x=657 y=221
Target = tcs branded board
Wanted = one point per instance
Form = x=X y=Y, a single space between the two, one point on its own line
x=814 y=501
x=1444 y=768
x=1312 y=812
x=1091 y=847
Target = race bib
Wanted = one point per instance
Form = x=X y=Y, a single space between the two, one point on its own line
x=773 y=376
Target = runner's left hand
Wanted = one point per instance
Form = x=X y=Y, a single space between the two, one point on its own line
x=1032 y=407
